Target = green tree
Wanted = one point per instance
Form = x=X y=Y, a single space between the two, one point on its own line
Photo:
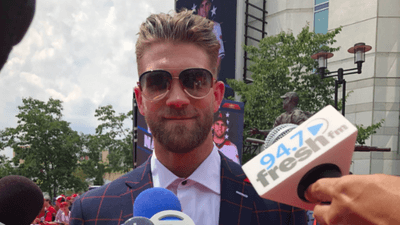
x=47 y=145
x=365 y=132
x=91 y=159
x=6 y=167
x=116 y=138
x=280 y=64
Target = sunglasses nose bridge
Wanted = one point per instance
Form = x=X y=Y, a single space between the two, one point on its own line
x=176 y=88
x=176 y=94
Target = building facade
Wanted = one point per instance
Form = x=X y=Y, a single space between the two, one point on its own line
x=375 y=93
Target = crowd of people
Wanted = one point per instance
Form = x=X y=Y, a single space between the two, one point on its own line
x=59 y=213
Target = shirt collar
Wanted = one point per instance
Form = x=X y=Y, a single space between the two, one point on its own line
x=208 y=173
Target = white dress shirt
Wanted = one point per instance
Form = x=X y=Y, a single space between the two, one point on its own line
x=200 y=193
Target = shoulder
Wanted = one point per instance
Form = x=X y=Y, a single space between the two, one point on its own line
x=282 y=115
x=51 y=209
x=229 y=143
x=110 y=200
x=116 y=187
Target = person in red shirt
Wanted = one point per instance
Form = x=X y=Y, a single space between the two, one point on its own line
x=39 y=218
x=50 y=211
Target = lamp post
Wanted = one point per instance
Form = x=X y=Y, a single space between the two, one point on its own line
x=359 y=51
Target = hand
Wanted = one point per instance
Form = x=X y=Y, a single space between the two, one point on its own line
x=356 y=199
x=253 y=131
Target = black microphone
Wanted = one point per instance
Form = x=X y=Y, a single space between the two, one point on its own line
x=15 y=18
x=20 y=200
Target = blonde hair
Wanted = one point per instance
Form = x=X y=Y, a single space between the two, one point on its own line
x=182 y=27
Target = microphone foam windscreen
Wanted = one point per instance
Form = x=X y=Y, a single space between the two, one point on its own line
x=20 y=200
x=278 y=133
x=15 y=18
x=154 y=200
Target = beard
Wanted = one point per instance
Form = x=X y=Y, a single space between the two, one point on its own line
x=179 y=138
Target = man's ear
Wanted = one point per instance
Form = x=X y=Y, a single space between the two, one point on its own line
x=139 y=100
x=219 y=90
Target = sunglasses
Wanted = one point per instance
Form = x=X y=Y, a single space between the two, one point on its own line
x=196 y=82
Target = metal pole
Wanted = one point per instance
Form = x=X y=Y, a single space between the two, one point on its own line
x=336 y=93
x=263 y=24
x=245 y=42
x=343 y=96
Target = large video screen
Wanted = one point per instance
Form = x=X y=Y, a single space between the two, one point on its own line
x=223 y=13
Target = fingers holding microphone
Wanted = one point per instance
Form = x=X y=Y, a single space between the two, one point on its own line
x=356 y=199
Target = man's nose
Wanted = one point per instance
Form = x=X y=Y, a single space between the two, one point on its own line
x=177 y=96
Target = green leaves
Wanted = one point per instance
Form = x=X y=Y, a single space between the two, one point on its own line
x=365 y=132
x=280 y=64
x=113 y=136
x=46 y=145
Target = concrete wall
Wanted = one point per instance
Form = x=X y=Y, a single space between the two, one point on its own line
x=376 y=92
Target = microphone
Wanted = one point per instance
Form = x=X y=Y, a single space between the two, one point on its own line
x=158 y=206
x=20 y=200
x=138 y=221
x=15 y=18
x=320 y=147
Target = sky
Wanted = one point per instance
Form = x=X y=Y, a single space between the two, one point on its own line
x=81 y=52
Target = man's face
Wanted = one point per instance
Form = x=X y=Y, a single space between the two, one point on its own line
x=219 y=128
x=64 y=208
x=178 y=122
x=286 y=102
x=204 y=8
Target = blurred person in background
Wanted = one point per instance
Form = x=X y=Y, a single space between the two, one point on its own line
x=40 y=217
x=59 y=200
x=204 y=11
x=50 y=211
x=65 y=214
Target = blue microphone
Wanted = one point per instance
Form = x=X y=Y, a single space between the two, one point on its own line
x=158 y=206
x=154 y=200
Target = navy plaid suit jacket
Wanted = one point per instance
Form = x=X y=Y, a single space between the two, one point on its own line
x=113 y=203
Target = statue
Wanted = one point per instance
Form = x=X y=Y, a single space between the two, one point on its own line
x=292 y=114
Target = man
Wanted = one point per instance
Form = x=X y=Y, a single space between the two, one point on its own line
x=292 y=114
x=225 y=146
x=50 y=211
x=177 y=94
x=204 y=11
x=63 y=218
x=59 y=200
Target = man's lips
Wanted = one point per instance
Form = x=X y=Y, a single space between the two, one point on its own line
x=179 y=118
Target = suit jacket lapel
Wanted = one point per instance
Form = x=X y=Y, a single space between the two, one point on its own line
x=236 y=197
x=137 y=181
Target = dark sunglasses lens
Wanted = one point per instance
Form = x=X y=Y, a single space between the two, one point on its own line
x=197 y=82
x=155 y=83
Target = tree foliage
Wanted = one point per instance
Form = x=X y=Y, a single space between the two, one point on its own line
x=280 y=64
x=6 y=167
x=48 y=147
x=91 y=161
x=365 y=132
x=115 y=137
